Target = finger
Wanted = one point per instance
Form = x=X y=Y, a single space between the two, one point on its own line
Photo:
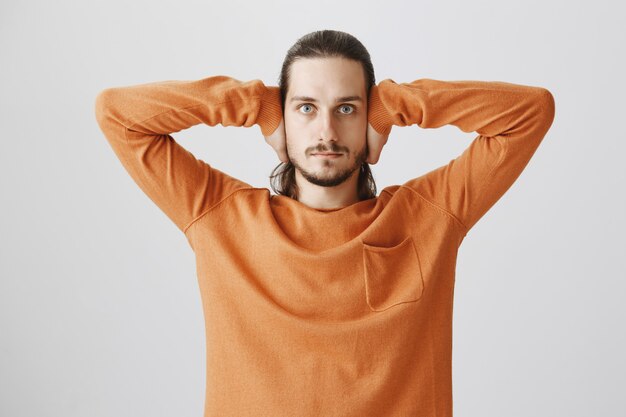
x=283 y=156
x=371 y=158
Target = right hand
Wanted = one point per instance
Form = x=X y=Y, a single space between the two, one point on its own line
x=277 y=140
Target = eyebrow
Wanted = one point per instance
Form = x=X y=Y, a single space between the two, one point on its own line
x=339 y=99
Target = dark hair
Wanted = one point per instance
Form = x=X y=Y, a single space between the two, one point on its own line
x=323 y=44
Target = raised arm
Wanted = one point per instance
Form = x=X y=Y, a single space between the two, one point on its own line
x=137 y=122
x=510 y=119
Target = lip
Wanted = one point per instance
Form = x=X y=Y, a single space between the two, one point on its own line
x=327 y=154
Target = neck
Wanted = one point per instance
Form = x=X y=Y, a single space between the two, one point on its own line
x=316 y=196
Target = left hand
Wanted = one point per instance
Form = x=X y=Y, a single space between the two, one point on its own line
x=375 y=143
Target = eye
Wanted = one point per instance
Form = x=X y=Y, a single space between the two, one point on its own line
x=305 y=105
x=352 y=108
x=349 y=107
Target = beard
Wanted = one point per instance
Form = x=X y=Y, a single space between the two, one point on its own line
x=336 y=178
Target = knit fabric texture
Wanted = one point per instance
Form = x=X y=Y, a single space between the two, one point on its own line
x=341 y=312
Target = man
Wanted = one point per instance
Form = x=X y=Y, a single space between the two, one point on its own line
x=326 y=299
x=327 y=145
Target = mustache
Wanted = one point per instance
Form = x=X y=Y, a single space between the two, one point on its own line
x=323 y=149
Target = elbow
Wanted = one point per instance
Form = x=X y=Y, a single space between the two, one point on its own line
x=103 y=104
x=547 y=105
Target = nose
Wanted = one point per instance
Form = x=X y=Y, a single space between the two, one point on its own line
x=328 y=131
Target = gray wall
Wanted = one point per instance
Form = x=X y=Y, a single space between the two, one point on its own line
x=100 y=311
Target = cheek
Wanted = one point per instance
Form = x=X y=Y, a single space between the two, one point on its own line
x=294 y=123
x=292 y=141
x=292 y=129
x=295 y=134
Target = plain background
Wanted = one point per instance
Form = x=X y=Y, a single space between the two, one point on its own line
x=100 y=311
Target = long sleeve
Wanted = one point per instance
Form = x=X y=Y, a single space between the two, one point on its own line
x=138 y=121
x=510 y=119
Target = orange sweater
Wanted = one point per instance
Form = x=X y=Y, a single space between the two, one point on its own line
x=326 y=312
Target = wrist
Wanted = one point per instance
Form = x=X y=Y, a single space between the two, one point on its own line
x=270 y=111
x=378 y=116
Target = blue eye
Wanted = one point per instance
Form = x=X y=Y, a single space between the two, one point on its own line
x=350 y=107
x=345 y=106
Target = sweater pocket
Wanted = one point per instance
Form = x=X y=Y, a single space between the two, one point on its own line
x=392 y=275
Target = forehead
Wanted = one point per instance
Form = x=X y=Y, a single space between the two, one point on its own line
x=326 y=78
